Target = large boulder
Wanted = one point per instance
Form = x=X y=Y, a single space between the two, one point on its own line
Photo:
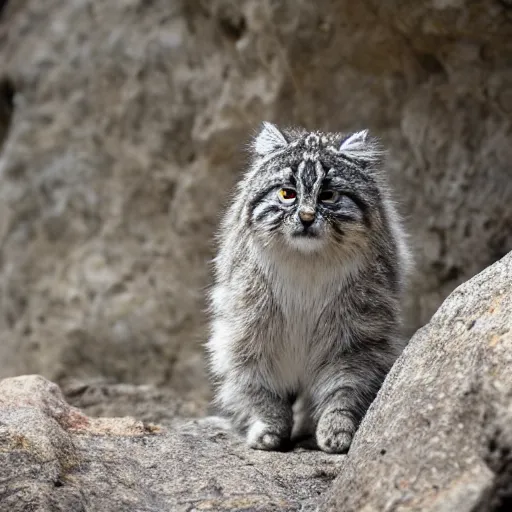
x=121 y=127
x=55 y=458
x=439 y=435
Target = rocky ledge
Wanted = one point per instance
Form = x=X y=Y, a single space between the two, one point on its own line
x=437 y=438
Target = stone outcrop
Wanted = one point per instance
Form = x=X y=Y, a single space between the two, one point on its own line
x=55 y=458
x=439 y=435
x=121 y=128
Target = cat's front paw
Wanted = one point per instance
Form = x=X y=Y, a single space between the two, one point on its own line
x=334 y=432
x=263 y=436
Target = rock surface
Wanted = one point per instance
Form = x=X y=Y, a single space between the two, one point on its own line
x=55 y=458
x=439 y=435
x=121 y=125
x=145 y=402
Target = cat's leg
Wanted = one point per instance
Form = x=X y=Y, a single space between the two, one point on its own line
x=340 y=398
x=265 y=416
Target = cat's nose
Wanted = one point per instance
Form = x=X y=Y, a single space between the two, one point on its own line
x=307 y=216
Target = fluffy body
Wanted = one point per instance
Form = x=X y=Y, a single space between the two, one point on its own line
x=306 y=300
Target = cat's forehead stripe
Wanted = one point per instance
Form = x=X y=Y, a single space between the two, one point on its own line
x=310 y=175
x=311 y=156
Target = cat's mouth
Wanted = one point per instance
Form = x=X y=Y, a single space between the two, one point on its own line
x=305 y=233
x=306 y=240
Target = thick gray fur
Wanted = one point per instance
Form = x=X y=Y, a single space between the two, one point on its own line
x=306 y=313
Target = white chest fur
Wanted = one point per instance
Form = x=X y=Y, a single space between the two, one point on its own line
x=302 y=293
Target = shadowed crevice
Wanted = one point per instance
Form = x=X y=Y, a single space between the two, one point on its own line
x=3 y=4
x=7 y=92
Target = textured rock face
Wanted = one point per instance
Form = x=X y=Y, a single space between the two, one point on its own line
x=53 y=457
x=438 y=436
x=123 y=136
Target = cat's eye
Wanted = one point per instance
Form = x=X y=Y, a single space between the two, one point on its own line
x=329 y=196
x=287 y=195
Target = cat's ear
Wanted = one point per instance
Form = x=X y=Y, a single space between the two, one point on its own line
x=356 y=141
x=269 y=139
x=359 y=145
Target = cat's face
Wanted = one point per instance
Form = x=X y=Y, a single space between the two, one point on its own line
x=311 y=192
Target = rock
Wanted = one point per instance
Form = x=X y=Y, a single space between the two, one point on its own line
x=55 y=458
x=439 y=435
x=122 y=126
x=498 y=496
x=145 y=402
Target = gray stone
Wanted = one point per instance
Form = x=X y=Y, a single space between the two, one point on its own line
x=439 y=435
x=163 y=405
x=125 y=135
x=55 y=458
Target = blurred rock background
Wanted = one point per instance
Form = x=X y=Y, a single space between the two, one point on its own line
x=123 y=126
